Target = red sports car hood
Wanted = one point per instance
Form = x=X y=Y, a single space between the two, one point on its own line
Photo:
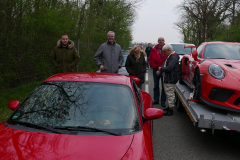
x=18 y=144
x=232 y=66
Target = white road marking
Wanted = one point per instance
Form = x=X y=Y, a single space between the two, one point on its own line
x=146 y=80
x=146 y=88
x=146 y=76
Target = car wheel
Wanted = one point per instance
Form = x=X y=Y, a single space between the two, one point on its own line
x=180 y=74
x=197 y=84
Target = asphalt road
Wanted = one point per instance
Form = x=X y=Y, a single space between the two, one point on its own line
x=175 y=137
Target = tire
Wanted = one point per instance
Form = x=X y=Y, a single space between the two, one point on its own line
x=197 y=84
x=180 y=74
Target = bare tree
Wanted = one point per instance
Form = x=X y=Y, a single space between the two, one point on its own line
x=205 y=16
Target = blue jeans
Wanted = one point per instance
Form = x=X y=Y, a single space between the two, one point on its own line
x=156 y=90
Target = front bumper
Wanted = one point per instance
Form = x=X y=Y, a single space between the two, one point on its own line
x=223 y=94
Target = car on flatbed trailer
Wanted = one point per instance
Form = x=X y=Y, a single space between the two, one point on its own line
x=203 y=116
x=213 y=73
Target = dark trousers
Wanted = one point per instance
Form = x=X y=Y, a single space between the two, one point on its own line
x=156 y=89
x=147 y=64
x=140 y=85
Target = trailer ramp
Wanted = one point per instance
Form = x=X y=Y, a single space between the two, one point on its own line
x=203 y=116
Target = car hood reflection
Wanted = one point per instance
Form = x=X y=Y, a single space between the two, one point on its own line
x=19 y=144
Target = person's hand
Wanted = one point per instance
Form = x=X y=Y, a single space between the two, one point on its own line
x=101 y=67
x=159 y=68
x=158 y=73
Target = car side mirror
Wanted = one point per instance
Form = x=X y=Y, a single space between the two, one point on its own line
x=136 y=79
x=13 y=104
x=195 y=54
x=153 y=113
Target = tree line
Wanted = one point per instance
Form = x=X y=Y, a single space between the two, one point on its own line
x=31 y=28
x=209 y=20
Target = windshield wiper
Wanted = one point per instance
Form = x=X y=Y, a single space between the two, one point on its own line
x=37 y=126
x=80 y=128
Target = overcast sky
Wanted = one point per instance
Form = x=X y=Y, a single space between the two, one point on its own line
x=156 y=18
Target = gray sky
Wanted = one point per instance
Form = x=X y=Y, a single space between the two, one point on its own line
x=156 y=18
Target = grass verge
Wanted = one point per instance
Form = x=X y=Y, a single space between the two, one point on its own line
x=19 y=93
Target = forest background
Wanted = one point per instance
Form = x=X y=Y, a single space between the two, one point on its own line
x=31 y=28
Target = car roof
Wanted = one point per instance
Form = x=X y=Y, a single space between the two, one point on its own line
x=91 y=77
x=221 y=42
x=183 y=43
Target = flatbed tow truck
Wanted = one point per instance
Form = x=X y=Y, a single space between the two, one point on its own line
x=203 y=116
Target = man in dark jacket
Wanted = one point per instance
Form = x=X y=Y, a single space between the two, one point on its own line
x=156 y=59
x=170 y=71
x=109 y=57
x=148 y=50
x=64 y=56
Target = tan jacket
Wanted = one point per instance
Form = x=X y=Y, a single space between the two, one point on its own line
x=66 y=58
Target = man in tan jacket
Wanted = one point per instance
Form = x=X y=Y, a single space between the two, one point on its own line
x=65 y=56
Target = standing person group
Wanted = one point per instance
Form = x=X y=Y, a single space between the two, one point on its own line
x=109 y=57
x=64 y=56
x=148 y=51
x=161 y=58
x=156 y=60
x=136 y=64
x=170 y=72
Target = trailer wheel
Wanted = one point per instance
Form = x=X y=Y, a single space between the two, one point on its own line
x=197 y=84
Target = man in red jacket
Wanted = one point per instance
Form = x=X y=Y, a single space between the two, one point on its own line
x=156 y=60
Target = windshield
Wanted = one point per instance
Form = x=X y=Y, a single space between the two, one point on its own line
x=125 y=52
x=222 y=51
x=179 y=48
x=97 y=105
x=124 y=61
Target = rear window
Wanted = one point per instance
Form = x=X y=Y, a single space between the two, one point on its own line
x=180 y=48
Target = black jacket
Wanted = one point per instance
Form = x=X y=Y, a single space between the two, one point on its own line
x=148 y=50
x=172 y=69
x=134 y=68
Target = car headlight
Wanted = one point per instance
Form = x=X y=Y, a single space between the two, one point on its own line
x=216 y=71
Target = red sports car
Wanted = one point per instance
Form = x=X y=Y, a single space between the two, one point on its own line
x=81 y=116
x=213 y=72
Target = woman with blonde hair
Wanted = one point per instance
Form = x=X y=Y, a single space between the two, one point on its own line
x=136 y=64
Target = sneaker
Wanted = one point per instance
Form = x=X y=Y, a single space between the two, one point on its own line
x=154 y=102
x=169 y=112
x=163 y=105
x=166 y=109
